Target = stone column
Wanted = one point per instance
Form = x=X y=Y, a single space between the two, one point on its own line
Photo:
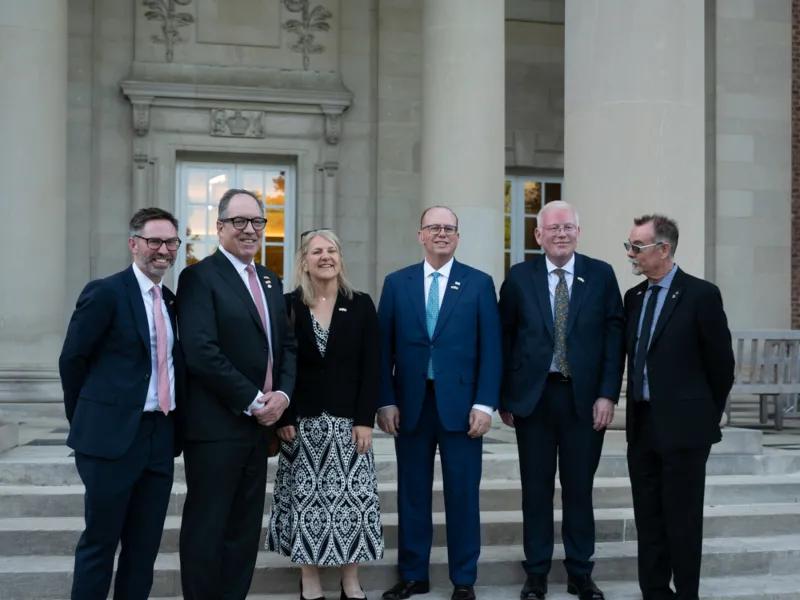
x=33 y=107
x=635 y=112
x=463 y=123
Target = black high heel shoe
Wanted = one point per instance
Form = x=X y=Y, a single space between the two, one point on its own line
x=344 y=596
x=304 y=598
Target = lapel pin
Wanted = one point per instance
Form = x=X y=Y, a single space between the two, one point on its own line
x=456 y=283
x=639 y=293
x=581 y=279
x=675 y=295
x=454 y=287
x=342 y=309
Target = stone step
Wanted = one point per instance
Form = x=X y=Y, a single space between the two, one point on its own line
x=39 y=536
x=496 y=494
x=49 y=576
x=36 y=465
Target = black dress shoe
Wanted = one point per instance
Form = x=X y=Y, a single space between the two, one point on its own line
x=584 y=588
x=405 y=589
x=463 y=592
x=535 y=587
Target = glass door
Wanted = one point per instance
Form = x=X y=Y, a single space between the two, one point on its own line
x=524 y=198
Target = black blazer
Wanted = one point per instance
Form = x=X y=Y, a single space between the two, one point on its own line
x=105 y=365
x=226 y=348
x=344 y=382
x=689 y=363
x=595 y=349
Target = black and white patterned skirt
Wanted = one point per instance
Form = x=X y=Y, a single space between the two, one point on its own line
x=325 y=508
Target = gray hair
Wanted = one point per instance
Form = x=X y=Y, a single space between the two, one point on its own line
x=555 y=205
x=226 y=199
x=666 y=229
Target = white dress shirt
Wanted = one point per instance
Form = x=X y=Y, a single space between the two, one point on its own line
x=145 y=285
x=552 y=282
x=240 y=270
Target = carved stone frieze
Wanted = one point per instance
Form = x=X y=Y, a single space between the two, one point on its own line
x=333 y=123
x=311 y=19
x=166 y=13
x=141 y=116
x=237 y=123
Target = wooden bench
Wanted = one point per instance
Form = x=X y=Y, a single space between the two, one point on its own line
x=768 y=366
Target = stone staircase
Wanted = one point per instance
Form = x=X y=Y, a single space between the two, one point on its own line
x=751 y=549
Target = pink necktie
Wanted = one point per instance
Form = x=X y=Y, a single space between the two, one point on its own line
x=161 y=351
x=255 y=289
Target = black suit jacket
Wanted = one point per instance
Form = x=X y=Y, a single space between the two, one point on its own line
x=105 y=365
x=226 y=348
x=345 y=381
x=595 y=350
x=689 y=363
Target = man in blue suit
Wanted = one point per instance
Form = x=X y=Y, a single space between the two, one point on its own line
x=440 y=382
x=562 y=370
x=121 y=373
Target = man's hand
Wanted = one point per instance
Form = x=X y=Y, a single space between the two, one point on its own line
x=507 y=417
x=479 y=423
x=362 y=437
x=287 y=433
x=389 y=420
x=602 y=413
x=272 y=408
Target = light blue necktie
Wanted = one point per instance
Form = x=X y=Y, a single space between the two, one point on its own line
x=432 y=313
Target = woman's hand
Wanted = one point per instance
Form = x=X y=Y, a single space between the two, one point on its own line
x=362 y=437
x=287 y=433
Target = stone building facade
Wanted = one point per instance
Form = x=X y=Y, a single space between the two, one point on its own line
x=356 y=114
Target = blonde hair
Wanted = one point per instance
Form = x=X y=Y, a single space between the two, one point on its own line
x=302 y=279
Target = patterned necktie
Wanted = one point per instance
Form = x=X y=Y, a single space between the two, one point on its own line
x=560 y=323
x=640 y=354
x=258 y=299
x=162 y=368
x=432 y=313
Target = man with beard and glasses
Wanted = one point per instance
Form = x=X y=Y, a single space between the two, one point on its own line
x=240 y=356
x=121 y=374
x=680 y=371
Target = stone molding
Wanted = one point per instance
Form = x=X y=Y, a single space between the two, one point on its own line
x=236 y=123
x=29 y=384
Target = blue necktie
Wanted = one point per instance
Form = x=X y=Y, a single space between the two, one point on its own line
x=432 y=313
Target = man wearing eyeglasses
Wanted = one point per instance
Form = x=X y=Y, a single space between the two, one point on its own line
x=562 y=372
x=121 y=371
x=440 y=382
x=240 y=354
x=680 y=371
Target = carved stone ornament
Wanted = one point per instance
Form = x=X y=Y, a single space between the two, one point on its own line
x=333 y=124
x=314 y=19
x=237 y=123
x=165 y=12
x=141 y=117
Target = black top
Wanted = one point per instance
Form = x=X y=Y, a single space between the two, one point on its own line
x=343 y=382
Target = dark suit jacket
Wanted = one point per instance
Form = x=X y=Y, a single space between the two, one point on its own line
x=689 y=363
x=465 y=345
x=595 y=350
x=345 y=381
x=105 y=365
x=226 y=349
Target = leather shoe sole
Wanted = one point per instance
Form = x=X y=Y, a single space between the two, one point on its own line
x=463 y=592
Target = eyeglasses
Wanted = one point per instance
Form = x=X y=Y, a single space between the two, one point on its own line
x=155 y=243
x=637 y=248
x=567 y=228
x=240 y=223
x=437 y=229
x=313 y=231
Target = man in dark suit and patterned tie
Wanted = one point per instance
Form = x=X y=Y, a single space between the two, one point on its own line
x=440 y=382
x=121 y=373
x=240 y=354
x=680 y=371
x=562 y=372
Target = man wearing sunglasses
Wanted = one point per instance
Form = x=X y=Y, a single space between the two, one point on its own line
x=680 y=371
x=121 y=370
x=240 y=354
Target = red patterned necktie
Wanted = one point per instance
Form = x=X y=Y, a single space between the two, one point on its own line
x=161 y=351
x=258 y=298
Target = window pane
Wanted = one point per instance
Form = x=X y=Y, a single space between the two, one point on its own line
x=197 y=221
x=274 y=259
x=195 y=252
x=507 y=198
x=217 y=186
x=533 y=197
x=274 y=231
x=253 y=181
x=506 y=261
x=531 y=255
x=276 y=194
x=507 y=243
x=552 y=191
x=197 y=186
x=530 y=238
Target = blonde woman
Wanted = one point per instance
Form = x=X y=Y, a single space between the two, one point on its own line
x=325 y=509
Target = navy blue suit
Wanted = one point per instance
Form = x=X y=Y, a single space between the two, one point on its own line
x=124 y=456
x=554 y=418
x=466 y=352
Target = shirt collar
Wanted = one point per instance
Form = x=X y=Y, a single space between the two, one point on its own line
x=145 y=283
x=237 y=264
x=568 y=268
x=665 y=281
x=444 y=271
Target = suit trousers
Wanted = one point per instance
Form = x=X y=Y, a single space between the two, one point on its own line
x=222 y=516
x=668 y=489
x=125 y=503
x=461 y=473
x=554 y=434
